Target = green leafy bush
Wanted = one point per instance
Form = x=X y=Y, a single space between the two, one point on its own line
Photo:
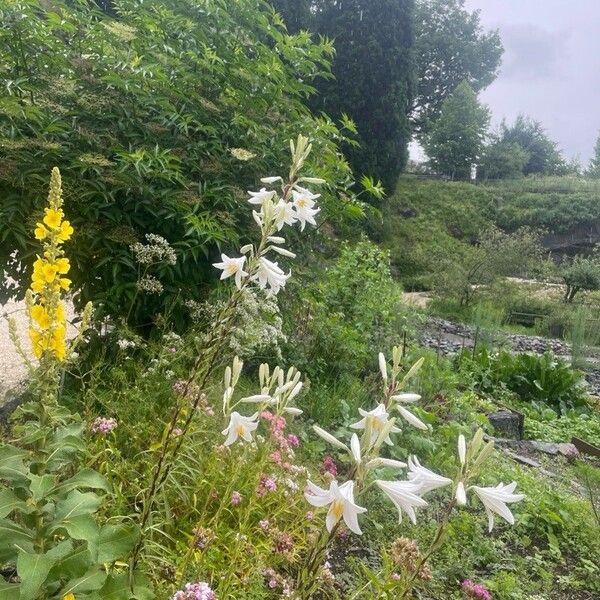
x=341 y=321
x=542 y=380
x=160 y=115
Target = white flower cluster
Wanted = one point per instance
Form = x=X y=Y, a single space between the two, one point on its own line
x=407 y=495
x=277 y=390
x=295 y=205
x=150 y=285
x=157 y=250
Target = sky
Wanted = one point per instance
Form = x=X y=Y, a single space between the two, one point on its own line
x=550 y=68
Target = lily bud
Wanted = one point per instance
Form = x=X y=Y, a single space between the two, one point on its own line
x=383 y=367
x=461 y=495
x=330 y=438
x=462 y=449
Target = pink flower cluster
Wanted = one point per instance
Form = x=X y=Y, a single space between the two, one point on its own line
x=278 y=424
x=267 y=484
x=274 y=581
x=328 y=467
x=236 y=498
x=195 y=591
x=103 y=426
x=475 y=590
x=283 y=543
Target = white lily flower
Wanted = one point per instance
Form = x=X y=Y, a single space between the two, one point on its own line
x=412 y=419
x=260 y=196
x=405 y=495
x=232 y=266
x=276 y=239
x=270 y=179
x=329 y=438
x=292 y=410
x=341 y=501
x=462 y=449
x=240 y=426
x=426 y=480
x=385 y=462
x=461 y=495
x=246 y=248
x=383 y=366
x=495 y=499
x=284 y=214
x=303 y=201
x=355 y=448
x=377 y=419
x=406 y=398
x=269 y=273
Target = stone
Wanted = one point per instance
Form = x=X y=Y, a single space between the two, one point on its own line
x=568 y=450
x=524 y=460
x=547 y=447
x=508 y=423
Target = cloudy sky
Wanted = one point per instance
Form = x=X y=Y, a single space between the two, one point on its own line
x=551 y=67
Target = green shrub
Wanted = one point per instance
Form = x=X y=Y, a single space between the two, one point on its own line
x=160 y=116
x=541 y=380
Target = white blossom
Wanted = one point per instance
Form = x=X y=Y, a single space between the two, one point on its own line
x=426 y=480
x=495 y=499
x=303 y=201
x=240 y=426
x=376 y=419
x=260 y=196
x=340 y=499
x=284 y=214
x=232 y=267
x=405 y=495
x=270 y=274
x=355 y=448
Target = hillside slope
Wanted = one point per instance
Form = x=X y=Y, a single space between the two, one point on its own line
x=427 y=218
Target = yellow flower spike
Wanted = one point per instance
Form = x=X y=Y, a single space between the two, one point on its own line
x=66 y=231
x=40 y=232
x=40 y=315
x=52 y=218
x=60 y=312
x=49 y=272
x=64 y=283
x=62 y=265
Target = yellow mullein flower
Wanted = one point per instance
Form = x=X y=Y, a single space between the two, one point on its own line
x=69 y=596
x=52 y=218
x=40 y=315
x=62 y=265
x=64 y=283
x=60 y=312
x=49 y=272
x=66 y=231
x=40 y=232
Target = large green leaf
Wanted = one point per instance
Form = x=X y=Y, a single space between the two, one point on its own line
x=76 y=504
x=86 y=478
x=9 y=591
x=9 y=501
x=33 y=570
x=116 y=587
x=81 y=527
x=92 y=580
x=11 y=536
x=116 y=541
x=40 y=486
x=11 y=463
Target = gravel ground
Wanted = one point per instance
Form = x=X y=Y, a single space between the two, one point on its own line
x=12 y=370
